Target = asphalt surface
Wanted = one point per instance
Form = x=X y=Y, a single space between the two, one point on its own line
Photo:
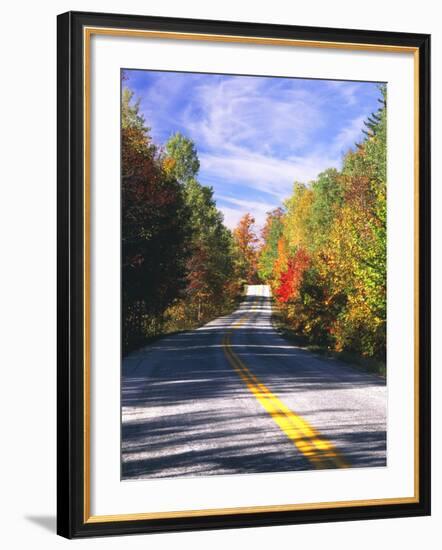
x=235 y=397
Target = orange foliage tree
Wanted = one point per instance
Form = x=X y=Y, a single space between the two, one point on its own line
x=327 y=266
x=246 y=242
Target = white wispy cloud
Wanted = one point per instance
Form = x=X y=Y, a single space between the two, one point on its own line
x=349 y=91
x=253 y=135
x=236 y=208
x=231 y=216
x=264 y=173
x=348 y=136
x=256 y=136
x=244 y=112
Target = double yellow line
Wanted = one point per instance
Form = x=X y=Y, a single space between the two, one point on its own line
x=320 y=452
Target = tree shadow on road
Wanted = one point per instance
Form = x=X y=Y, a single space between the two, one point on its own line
x=187 y=412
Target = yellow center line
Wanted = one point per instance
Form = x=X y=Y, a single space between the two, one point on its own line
x=318 y=450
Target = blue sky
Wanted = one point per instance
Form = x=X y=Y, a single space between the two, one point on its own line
x=255 y=136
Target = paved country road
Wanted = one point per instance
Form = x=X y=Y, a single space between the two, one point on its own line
x=234 y=397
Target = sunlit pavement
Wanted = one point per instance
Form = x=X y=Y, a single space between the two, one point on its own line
x=234 y=397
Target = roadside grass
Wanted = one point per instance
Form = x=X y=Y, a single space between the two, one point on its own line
x=367 y=364
x=172 y=327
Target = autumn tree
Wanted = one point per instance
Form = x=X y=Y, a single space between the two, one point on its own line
x=154 y=230
x=292 y=276
x=210 y=281
x=246 y=244
x=210 y=267
x=297 y=220
x=325 y=254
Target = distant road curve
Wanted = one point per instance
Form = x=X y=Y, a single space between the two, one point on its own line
x=235 y=397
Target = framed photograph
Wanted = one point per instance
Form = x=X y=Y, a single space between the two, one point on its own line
x=243 y=274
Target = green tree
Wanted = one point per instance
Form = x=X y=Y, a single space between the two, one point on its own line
x=130 y=112
x=183 y=163
x=154 y=230
x=210 y=267
x=328 y=197
x=270 y=236
x=339 y=222
x=298 y=218
x=210 y=281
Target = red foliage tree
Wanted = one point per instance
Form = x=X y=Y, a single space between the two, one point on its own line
x=291 y=279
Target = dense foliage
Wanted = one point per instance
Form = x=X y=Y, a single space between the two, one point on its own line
x=324 y=253
x=246 y=241
x=178 y=259
x=211 y=282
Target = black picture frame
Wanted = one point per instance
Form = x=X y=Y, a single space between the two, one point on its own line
x=72 y=393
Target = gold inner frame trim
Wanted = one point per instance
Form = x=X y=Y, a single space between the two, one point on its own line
x=87 y=34
x=249 y=39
